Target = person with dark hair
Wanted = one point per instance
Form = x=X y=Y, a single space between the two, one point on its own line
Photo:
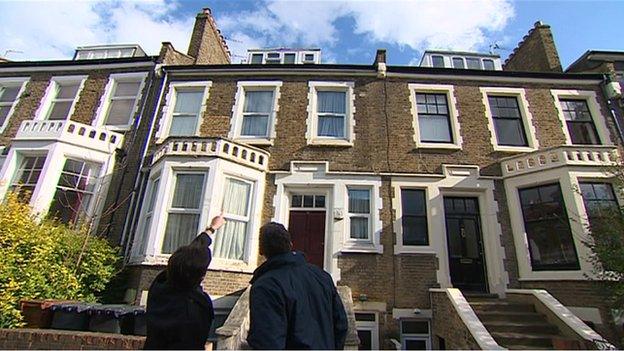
x=293 y=304
x=179 y=312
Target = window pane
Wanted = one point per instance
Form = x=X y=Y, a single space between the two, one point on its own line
x=473 y=63
x=359 y=201
x=69 y=205
x=308 y=201
x=319 y=201
x=256 y=58
x=359 y=228
x=331 y=126
x=413 y=202
x=152 y=198
x=296 y=201
x=26 y=177
x=488 y=64
x=255 y=125
x=415 y=344
x=510 y=132
x=183 y=125
x=415 y=327
x=415 y=230
x=258 y=101
x=67 y=90
x=119 y=112
x=583 y=133
x=236 y=198
x=331 y=102
x=551 y=245
x=365 y=337
x=599 y=201
x=289 y=58
x=4 y=112
x=127 y=88
x=180 y=231
x=438 y=61
x=230 y=242
x=188 y=102
x=60 y=110
x=434 y=128
x=365 y=317
x=458 y=62
x=188 y=191
x=8 y=93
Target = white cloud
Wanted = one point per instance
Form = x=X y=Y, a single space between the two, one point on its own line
x=52 y=30
x=419 y=25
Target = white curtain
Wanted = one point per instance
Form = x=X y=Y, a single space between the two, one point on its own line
x=230 y=241
x=188 y=102
x=258 y=101
x=359 y=228
x=434 y=128
x=331 y=108
x=359 y=201
x=182 y=227
x=255 y=125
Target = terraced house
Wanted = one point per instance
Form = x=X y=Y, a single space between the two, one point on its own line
x=452 y=198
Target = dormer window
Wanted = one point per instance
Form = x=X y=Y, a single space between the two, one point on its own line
x=308 y=58
x=437 y=61
x=458 y=62
x=290 y=58
x=473 y=63
x=256 y=58
x=273 y=57
x=488 y=64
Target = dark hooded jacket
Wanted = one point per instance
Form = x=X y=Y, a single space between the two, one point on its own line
x=295 y=305
x=178 y=318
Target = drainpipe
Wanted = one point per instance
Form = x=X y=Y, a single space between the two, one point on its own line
x=613 y=92
x=135 y=201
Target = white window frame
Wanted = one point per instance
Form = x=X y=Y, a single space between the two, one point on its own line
x=44 y=108
x=369 y=216
x=170 y=194
x=248 y=219
x=372 y=326
x=455 y=131
x=13 y=81
x=405 y=337
x=312 y=121
x=453 y=58
x=107 y=97
x=594 y=108
x=525 y=114
x=141 y=241
x=236 y=122
x=167 y=111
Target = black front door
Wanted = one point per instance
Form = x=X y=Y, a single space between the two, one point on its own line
x=465 y=248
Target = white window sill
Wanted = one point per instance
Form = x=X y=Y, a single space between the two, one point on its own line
x=436 y=146
x=362 y=248
x=216 y=264
x=514 y=148
x=330 y=142
x=555 y=275
x=255 y=141
x=118 y=128
x=399 y=249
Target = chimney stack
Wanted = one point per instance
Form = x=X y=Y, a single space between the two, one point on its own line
x=207 y=44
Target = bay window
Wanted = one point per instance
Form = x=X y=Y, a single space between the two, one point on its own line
x=600 y=201
x=149 y=214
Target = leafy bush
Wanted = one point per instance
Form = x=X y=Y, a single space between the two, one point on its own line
x=47 y=260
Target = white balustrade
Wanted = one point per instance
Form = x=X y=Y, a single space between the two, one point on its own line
x=597 y=156
x=215 y=147
x=70 y=132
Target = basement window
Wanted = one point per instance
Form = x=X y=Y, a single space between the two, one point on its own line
x=415 y=335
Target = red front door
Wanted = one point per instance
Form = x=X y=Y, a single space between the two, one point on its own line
x=307 y=229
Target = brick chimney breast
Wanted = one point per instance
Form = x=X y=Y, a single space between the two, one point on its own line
x=207 y=45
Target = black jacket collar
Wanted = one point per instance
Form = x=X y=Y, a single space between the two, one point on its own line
x=293 y=258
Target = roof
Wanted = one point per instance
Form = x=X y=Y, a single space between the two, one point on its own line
x=284 y=49
x=595 y=55
x=462 y=53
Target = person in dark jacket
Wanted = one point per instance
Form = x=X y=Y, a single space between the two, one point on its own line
x=179 y=312
x=293 y=304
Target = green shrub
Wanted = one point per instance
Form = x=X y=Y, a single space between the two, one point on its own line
x=47 y=260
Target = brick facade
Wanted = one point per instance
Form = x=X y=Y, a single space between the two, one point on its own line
x=48 y=339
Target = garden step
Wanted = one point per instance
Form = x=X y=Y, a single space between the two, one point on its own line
x=501 y=306
x=509 y=339
x=504 y=316
x=515 y=326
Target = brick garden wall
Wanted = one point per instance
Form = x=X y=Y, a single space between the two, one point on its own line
x=448 y=325
x=49 y=339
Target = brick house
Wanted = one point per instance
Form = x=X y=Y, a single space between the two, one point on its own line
x=429 y=191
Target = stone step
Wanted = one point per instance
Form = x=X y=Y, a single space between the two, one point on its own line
x=479 y=296
x=501 y=306
x=520 y=327
x=505 y=316
x=524 y=339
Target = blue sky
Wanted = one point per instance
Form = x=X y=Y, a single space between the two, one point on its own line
x=347 y=32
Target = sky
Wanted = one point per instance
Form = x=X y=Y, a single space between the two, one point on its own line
x=346 y=31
